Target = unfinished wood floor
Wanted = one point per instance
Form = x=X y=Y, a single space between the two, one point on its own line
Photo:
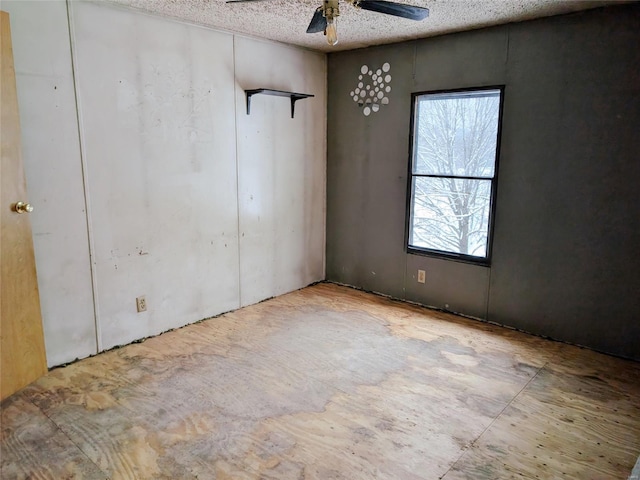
x=330 y=383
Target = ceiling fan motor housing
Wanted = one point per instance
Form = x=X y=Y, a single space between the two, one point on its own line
x=330 y=9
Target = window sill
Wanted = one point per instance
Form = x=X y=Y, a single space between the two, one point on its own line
x=468 y=259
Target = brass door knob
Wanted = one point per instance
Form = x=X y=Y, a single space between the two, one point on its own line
x=22 y=207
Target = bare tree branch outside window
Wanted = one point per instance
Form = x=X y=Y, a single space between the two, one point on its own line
x=454 y=152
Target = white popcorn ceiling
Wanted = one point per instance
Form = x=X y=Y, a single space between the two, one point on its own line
x=287 y=20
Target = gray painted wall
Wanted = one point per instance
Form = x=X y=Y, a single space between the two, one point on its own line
x=567 y=224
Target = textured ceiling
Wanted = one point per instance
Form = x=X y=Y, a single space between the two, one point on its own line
x=286 y=20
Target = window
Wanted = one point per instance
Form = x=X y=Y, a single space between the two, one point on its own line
x=452 y=173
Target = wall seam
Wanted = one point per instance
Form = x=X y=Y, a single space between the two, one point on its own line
x=235 y=126
x=326 y=164
x=85 y=182
x=505 y=77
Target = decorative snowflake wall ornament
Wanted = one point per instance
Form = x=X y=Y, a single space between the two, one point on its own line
x=372 y=89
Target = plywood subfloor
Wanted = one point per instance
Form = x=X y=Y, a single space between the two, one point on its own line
x=330 y=383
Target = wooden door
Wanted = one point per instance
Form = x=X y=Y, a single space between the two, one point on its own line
x=22 y=358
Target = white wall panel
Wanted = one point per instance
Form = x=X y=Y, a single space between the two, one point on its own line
x=157 y=112
x=161 y=115
x=281 y=169
x=52 y=163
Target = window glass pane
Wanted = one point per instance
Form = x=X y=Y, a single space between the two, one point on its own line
x=451 y=215
x=456 y=133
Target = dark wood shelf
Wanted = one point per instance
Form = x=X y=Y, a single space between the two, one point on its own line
x=277 y=93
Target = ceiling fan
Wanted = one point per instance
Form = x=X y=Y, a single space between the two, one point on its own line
x=324 y=18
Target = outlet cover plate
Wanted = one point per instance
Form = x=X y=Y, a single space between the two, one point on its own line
x=141 y=304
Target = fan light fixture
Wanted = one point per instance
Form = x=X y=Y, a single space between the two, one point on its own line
x=330 y=11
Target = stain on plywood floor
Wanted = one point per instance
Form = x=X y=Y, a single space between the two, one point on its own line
x=330 y=383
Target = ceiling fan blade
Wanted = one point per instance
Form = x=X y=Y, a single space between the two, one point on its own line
x=318 y=22
x=392 y=8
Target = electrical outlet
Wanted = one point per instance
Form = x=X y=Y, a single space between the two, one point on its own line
x=141 y=304
x=422 y=276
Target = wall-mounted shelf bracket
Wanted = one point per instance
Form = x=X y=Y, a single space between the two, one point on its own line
x=278 y=93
